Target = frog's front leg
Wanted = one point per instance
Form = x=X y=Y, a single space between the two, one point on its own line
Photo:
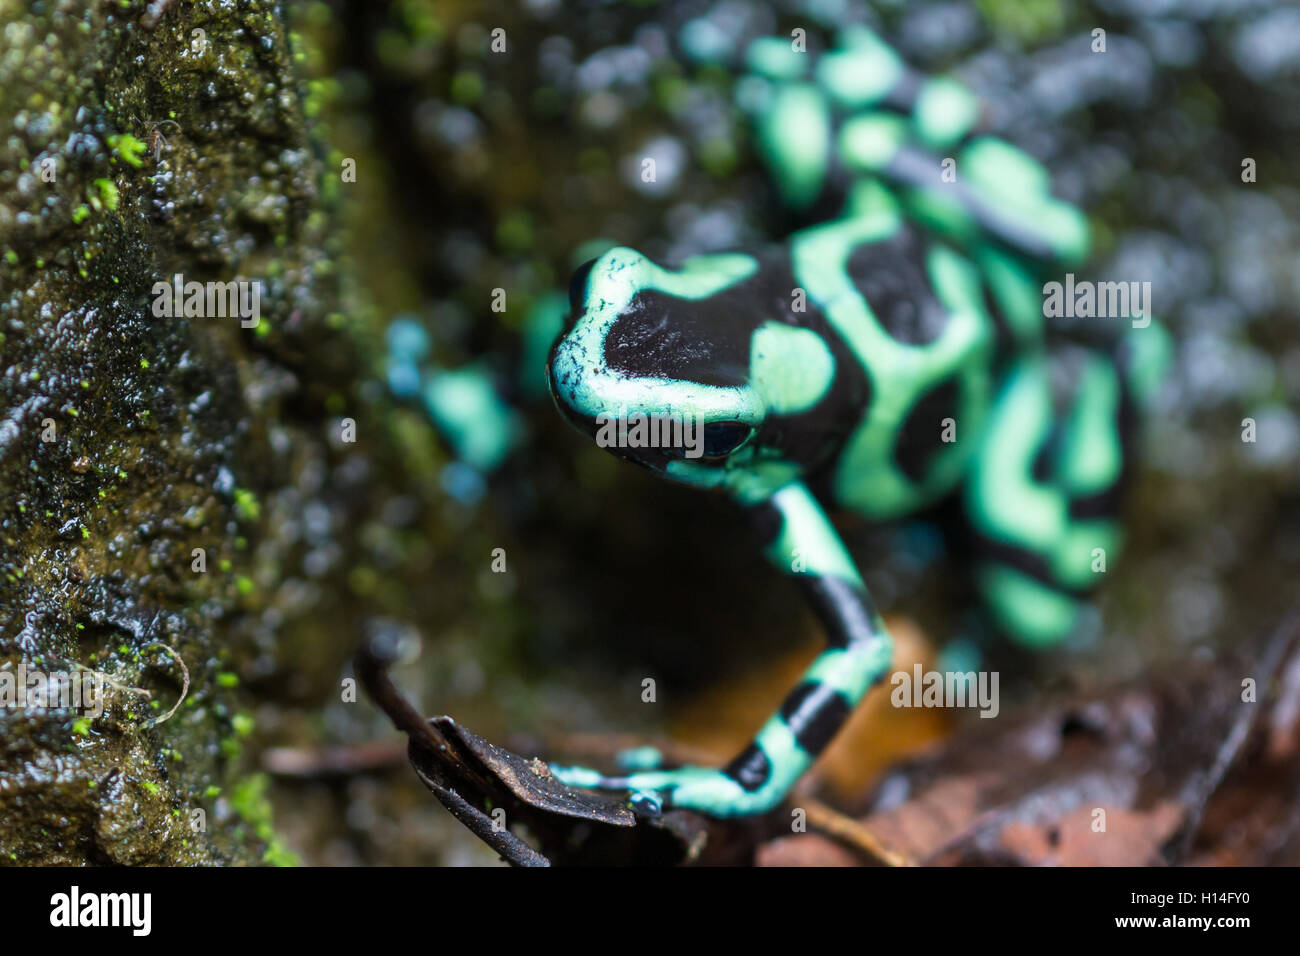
x=800 y=541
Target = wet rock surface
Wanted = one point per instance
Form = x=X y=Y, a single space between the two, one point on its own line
x=146 y=458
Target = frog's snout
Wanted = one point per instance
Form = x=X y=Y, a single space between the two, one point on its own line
x=569 y=365
x=560 y=372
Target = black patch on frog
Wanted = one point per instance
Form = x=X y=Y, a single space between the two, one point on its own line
x=891 y=276
x=1101 y=504
x=813 y=438
x=814 y=712
x=1032 y=564
x=686 y=340
x=751 y=768
x=1004 y=338
x=920 y=438
x=846 y=612
x=1043 y=468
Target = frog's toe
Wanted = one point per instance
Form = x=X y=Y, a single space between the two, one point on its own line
x=648 y=805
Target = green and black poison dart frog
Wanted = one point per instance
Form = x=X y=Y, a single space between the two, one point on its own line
x=876 y=363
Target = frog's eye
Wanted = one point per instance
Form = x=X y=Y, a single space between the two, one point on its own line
x=578 y=286
x=722 y=438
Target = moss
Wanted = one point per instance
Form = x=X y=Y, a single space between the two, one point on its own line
x=128 y=149
x=247 y=505
x=249 y=799
x=104 y=196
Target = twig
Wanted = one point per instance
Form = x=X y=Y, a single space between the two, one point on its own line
x=1196 y=796
x=377 y=654
x=851 y=832
x=344 y=760
x=380 y=652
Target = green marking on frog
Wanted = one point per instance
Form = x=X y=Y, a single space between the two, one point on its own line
x=791 y=368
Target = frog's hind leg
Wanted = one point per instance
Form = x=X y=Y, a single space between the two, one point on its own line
x=1044 y=491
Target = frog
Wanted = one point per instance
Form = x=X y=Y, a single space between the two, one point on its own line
x=882 y=359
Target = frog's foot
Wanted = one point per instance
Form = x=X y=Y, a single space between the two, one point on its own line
x=714 y=792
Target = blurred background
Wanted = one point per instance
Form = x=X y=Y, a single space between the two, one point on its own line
x=476 y=171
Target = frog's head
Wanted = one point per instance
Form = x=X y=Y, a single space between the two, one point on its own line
x=655 y=365
x=678 y=370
